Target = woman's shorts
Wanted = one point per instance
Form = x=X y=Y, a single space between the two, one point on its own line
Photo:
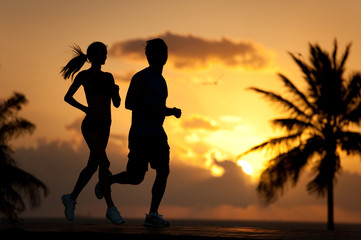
x=96 y=125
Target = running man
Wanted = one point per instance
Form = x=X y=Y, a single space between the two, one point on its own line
x=148 y=143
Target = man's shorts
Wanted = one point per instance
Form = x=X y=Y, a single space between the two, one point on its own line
x=147 y=148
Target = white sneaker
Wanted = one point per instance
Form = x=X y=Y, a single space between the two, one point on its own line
x=114 y=216
x=155 y=220
x=69 y=205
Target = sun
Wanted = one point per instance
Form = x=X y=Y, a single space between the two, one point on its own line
x=246 y=167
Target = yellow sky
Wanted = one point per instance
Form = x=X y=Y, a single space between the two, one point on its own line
x=36 y=35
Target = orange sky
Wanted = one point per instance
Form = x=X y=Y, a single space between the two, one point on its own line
x=217 y=49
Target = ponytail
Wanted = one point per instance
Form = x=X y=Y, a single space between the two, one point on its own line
x=75 y=64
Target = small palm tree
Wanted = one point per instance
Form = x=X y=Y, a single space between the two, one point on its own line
x=14 y=182
x=319 y=125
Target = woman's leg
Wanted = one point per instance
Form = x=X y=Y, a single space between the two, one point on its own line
x=97 y=144
x=84 y=176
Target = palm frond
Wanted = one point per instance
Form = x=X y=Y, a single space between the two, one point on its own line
x=293 y=89
x=325 y=171
x=355 y=113
x=345 y=56
x=309 y=78
x=286 y=167
x=350 y=142
x=5 y=155
x=274 y=144
x=352 y=93
x=289 y=106
x=334 y=54
x=15 y=184
x=320 y=59
x=11 y=202
x=15 y=128
x=11 y=105
x=294 y=124
x=15 y=181
x=353 y=87
x=317 y=185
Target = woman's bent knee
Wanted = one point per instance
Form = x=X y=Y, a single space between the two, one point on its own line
x=91 y=168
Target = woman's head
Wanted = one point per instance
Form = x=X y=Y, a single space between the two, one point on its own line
x=96 y=54
x=157 y=52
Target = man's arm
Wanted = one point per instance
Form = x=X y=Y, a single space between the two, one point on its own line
x=173 y=111
x=135 y=88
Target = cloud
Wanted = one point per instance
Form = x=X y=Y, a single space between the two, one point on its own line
x=192 y=192
x=197 y=134
x=199 y=122
x=58 y=165
x=231 y=119
x=189 y=51
x=125 y=77
x=199 y=188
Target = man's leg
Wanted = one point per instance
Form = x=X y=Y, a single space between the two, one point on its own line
x=153 y=219
x=158 y=189
x=128 y=178
x=134 y=174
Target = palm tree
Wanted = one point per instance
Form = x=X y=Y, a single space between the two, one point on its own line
x=14 y=182
x=320 y=123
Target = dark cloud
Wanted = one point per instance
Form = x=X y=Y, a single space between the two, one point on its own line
x=75 y=125
x=195 y=187
x=58 y=164
x=347 y=191
x=192 y=51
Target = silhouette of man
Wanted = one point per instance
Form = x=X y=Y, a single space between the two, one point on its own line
x=148 y=143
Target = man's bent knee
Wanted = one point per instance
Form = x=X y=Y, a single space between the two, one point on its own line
x=136 y=178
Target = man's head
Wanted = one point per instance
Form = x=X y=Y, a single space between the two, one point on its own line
x=157 y=52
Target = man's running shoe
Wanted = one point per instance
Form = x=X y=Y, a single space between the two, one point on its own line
x=155 y=220
x=69 y=205
x=114 y=216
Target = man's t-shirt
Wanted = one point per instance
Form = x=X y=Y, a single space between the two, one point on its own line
x=154 y=93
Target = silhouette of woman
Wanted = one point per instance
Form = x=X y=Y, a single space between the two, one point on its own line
x=100 y=90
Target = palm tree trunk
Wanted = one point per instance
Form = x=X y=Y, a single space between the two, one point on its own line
x=330 y=221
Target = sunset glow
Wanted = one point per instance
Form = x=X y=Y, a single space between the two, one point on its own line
x=246 y=167
x=217 y=51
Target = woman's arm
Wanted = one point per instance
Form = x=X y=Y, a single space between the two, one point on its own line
x=115 y=93
x=69 y=96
